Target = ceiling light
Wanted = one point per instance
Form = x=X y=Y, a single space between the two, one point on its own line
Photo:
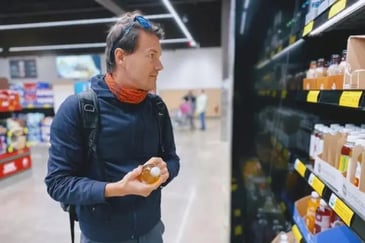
x=348 y=11
x=74 y=22
x=81 y=46
x=179 y=22
x=56 y=47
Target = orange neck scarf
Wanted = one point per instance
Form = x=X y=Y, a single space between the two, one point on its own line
x=127 y=95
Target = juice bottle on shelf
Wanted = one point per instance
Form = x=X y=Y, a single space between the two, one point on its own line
x=323 y=217
x=342 y=65
x=320 y=70
x=333 y=69
x=346 y=153
x=283 y=238
x=313 y=141
x=312 y=205
x=311 y=73
x=355 y=166
x=150 y=174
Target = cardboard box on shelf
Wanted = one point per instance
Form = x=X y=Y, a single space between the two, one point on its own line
x=337 y=234
x=309 y=84
x=354 y=77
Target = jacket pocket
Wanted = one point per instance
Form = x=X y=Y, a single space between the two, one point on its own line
x=101 y=212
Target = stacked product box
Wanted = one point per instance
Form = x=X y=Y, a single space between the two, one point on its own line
x=37 y=94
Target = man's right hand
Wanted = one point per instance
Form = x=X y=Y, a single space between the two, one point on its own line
x=131 y=185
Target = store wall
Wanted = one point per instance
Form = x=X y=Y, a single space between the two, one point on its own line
x=183 y=69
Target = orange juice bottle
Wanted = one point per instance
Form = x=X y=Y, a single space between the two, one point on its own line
x=313 y=204
x=150 y=174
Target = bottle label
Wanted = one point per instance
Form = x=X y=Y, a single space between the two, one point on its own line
x=344 y=161
x=322 y=223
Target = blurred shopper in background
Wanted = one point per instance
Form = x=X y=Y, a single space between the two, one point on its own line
x=190 y=97
x=201 y=108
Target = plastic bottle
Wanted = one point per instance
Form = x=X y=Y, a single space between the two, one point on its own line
x=150 y=174
x=320 y=70
x=333 y=68
x=323 y=217
x=311 y=73
x=355 y=178
x=284 y=238
x=343 y=63
x=312 y=205
x=346 y=153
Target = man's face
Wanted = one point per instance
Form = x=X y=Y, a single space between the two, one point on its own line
x=143 y=65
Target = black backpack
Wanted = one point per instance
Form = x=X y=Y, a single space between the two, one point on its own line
x=88 y=106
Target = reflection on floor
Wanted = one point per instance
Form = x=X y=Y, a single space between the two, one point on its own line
x=195 y=207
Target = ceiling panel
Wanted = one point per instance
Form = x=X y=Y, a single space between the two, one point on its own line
x=202 y=18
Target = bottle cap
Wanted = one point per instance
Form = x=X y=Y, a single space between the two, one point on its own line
x=155 y=171
x=314 y=194
x=283 y=237
x=322 y=203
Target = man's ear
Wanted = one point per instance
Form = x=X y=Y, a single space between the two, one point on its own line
x=119 y=55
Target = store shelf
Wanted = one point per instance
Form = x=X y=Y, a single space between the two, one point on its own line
x=289 y=44
x=342 y=14
x=11 y=163
x=342 y=207
x=340 y=98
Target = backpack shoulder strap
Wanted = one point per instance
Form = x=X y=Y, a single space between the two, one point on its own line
x=89 y=109
x=161 y=113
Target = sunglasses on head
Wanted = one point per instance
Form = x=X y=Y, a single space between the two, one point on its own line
x=142 y=21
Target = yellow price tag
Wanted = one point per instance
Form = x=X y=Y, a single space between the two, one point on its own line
x=47 y=106
x=312 y=96
x=336 y=8
x=341 y=209
x=316 y=183
x=298 y=236
x=234 y=187
x=237 y=212
x=350 y=98
x=286 y=153
x=280 y=48
x=284 y=93
x=31 y=106
x=308 y=28
x=292 y=39
x=238 y=230
x=300 y=167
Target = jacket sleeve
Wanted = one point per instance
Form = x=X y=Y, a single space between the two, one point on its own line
x=66 y=160
x=171 y=158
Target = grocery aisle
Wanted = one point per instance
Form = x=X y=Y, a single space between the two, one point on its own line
x=195 y=205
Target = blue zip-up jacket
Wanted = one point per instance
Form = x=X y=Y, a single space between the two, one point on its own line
x=128 y=136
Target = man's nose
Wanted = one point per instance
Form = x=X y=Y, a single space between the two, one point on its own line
x=159 y=65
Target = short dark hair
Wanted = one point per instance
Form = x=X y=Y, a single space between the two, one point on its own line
x=124 y=34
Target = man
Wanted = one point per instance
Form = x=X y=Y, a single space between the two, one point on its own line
x=116 y=207
x=201 y=108
x=192 y=101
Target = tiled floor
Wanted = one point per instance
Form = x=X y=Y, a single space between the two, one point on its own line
x=195 y=205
